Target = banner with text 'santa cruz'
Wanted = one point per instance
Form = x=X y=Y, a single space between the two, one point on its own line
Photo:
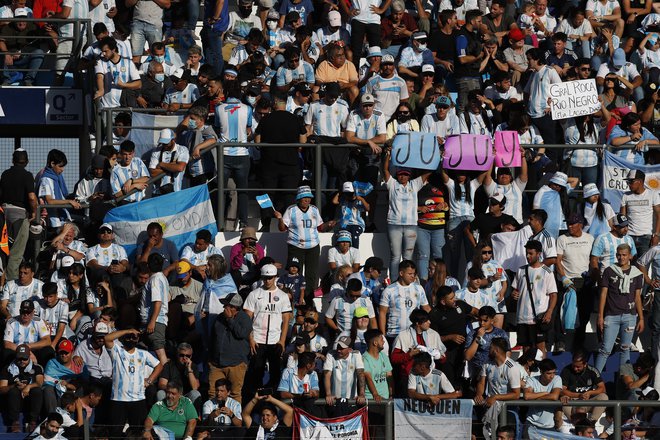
x=615 y=171
x=449 y=419
x=353 y=426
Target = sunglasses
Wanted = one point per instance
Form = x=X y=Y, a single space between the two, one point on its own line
x=105 y=231
x=64 y=353
x=486 y=252
x=443 y=107
x=309 y=321
x=183 y=355
x=406 y=113
x=585 y=69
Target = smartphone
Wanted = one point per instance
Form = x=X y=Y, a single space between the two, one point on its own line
x=114 y=262
x=265 y=391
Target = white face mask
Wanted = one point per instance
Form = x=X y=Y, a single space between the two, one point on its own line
x=421 y=47
x=272 y=25
x=251 y=100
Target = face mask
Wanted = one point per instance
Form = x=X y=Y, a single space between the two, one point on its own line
x=251 y=100
x=245 y=11
x=192 y=124
x=159 y=58
x=272 y=25
x=160 y=77
x=403 y=118
x=421 y=47
x=129 y=344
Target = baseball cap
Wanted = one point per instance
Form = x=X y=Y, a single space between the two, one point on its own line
x=443 y=100
x=98 y=161
x=304 y=191
x=180 y=73
x=65 y=345
x=303 y=88
x=374 y=51
x=27 y=306
x=67 y=261
x=348 y=187
x=245 y=2
x=619 y=58
x=269 y=270
x=182 y=269
x=516 y=35
x=387 y=59
x=101 y=328
x=574 y=218
x=233 y=299
x=620 y=221
x=420 y=35
x=273 y=15
x=105 y=226
x=590 y=189
x=428 y=68
x=344 y=236
x=535 y=245
x=497 y=198
x=301 y=339
x=560 y=179
x=166 y=136
x=23 y=352
x=361 y=312
x=344 y=342
x=635 y=175
x=367 y=98
x=334 y=18
x=19 y=155
x=21 y=12
x=293 y=261
x=404 y=171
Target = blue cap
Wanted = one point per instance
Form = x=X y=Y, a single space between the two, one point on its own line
x=443 y=100
x=619 y=58
x=344 y=236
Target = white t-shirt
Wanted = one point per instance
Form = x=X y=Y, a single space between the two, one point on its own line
x=268 y=306
x=575 y=252
x=351 y=257
x=639 y=209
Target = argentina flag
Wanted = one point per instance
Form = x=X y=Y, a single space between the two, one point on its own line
x=615 y=171
x=181 y=214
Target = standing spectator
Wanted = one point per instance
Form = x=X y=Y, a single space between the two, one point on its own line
x=377 y=367
x=559 y=57
x=584 y=161
x=70 y=9
x=536 y=221
x=490 y=222
x=477 y=342
x=270 y=311
x=603 y=254
x=20 y=385
x=147 y=25
x=642 y=207
x=343 y=374
x=352 y=207
x=339 y=315
x=497 y=22
x=153 y=307
x=365 y=20
x=553 y=198
x=130 y=377
x=197 y=136
x=537 y=93
x=114 y=74
x=432 y=214
x=536 y=292
x=547 y=386
x=620 y=311
x=598 y=214
x=130 y=173
x=216 y=22
x=510 y=188
x=303 y=223
x=469 y=53
x=443 y=43
x=218 y=284
x=370 y=278
x=399 y=300
x=168 y=158
x=388 y=88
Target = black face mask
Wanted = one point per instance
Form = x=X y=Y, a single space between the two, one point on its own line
x=403 y=118
x=129 y=344
x=245 y=12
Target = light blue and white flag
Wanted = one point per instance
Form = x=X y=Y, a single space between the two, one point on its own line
x=265 y=202
x=544 y=434
x=181 y=214
x=352 y=426
x=615 y=171
x=146 y=138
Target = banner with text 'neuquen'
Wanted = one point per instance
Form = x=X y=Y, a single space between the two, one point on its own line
x=448 y=419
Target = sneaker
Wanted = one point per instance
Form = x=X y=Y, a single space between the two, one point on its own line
x=559 y=347
x=27 y=82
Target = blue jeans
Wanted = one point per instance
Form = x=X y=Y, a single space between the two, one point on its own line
x=193 y=14
x=622 y=326
x=586 y=175
x=402 y=243
x=212 y=42
x=642 y=243
x=28 y=60
x=429 y=245
x=142 y=31
x=238 y=167
x=456 y=236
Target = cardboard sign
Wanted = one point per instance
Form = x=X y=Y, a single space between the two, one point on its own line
x=468 y=152
x=507 y=149
x=574 y=98
x=416 y=150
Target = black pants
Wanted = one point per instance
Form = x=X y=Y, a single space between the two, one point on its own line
x=548 y=131
x=132 y=412
x=255 y=372
x=358 y=31
x=309 y=260
x=279 y=176
x=30 y=404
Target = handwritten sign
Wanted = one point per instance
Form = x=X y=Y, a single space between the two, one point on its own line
x=416 y=150
x=507 y=149
x=468 y=152
x=574 y=98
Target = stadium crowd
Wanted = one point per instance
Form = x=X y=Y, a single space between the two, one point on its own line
x=204 y=345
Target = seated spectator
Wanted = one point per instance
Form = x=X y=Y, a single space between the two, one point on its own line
x=107 y=257
x=156 y=244
x=342 y=308
x=336 y=68
x=415 y=56
x=95 y=186
x=183 y=372
x=175 y=413
x=343 y=253
x=493 y=60
x=442 y=123
x=547 y=386
x=22 y=50
x=20 y=385
x=154 y=85
x=626 y=72
x=14 y=292
x=92 y=352
x=170 y=159
x=129 y=174
x=114 y=74
x=498 y=22
x=52 y=189
x=184 y=298
x=62 y=374
x=635 y=377
x=183 y=92
x=277 y=429
x=599 y=12
x=30 y=330
x=582 y=382
x=222 y=412
x=55 y=313
x=293 y=71
x=579 y=32
x=439 y=277
x=50 y=427
x=242 y=54
x=632 y=139
x=428 y=384
x=244 y=255
x=396 y=29
x=559 y=57
x=478 y=118
x=164 y=55
x=516 y=55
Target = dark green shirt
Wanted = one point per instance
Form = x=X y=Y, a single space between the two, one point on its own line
x=173 y=419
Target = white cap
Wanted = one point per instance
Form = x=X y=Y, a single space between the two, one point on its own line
x=560 y=179
x=166 y=136
x=269 y=270
x=387 y=59
x=374 y=51
x=334 y=18
x=348 y=187
x=21 y=12
x=428 y=68
x=367 y=98
x=101 y=328
x=106 y=225
x=67 y=261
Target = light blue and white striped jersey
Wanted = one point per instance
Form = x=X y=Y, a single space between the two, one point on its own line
x=52 y=316
x=239 y=55
x=500 y=379
x=432 y=384
x=580 y=158
x=514 y=197
x=129 y=371
x=304 y=72
x=104 y=256
x=121 y=174
x=222 y=419
x=232 y=119
x=79 y=9
x=295 y=109
x=489 y=269
x=178 y=154
x=605 y=249
x=403 y=201
x=344 y=377
x=366 y=128
x=291 y=383
x=124 y=70
x=462 y=208
x=156 y=289
x=538 y=89
x=543 y=284
x=351 y=213
x=186 y=96
x=401 y=301
x=14 y=294
x=447 y=127
x=17 y=333
x=199 y=258
x=388 y=93
x=342 y=310
x=302 y=226
x=327 y=120
x=549 y=243
x=476 y=299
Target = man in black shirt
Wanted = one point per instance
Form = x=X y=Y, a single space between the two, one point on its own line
x=490 y=222
x=449 y=318
x=280 y=166
x=272 y=427
x=582 y=382
x=20 y=386
x=181 y=370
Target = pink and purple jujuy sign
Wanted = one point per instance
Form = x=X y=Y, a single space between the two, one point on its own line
x=468 y=152
x=507 y=149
